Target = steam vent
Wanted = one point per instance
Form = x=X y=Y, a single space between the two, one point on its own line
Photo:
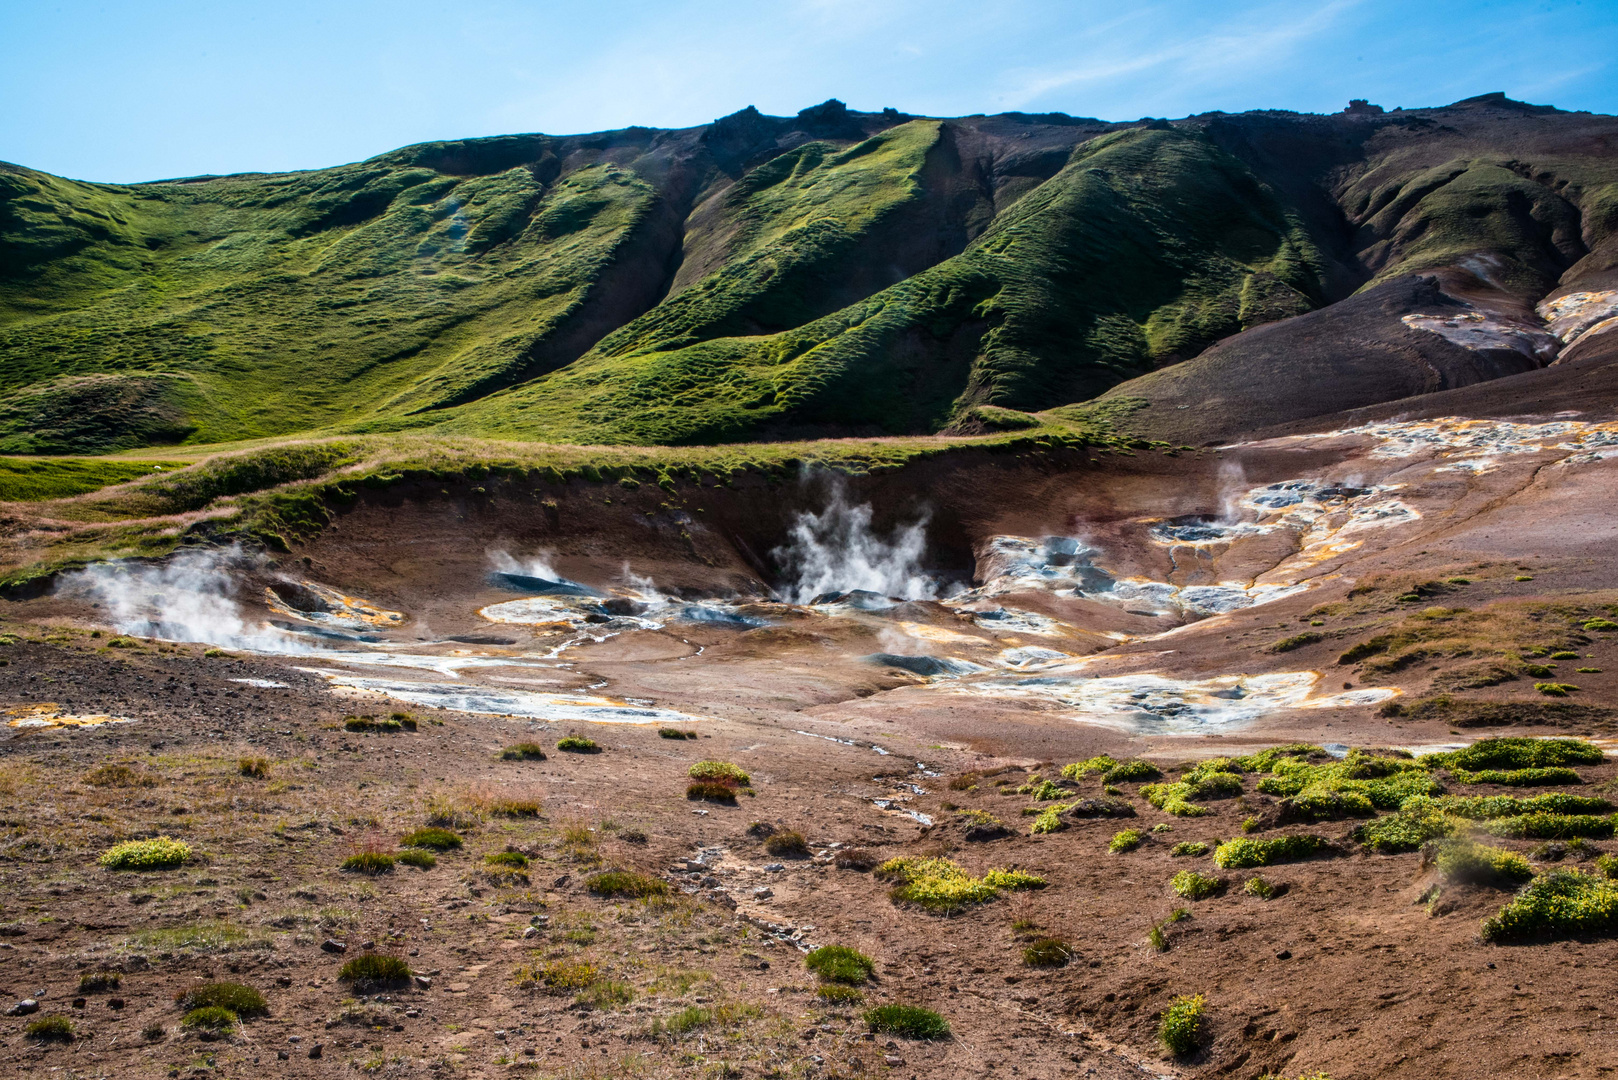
x=843 y=595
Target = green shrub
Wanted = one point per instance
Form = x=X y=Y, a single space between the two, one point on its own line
x=578 y=744
x=1195 y=886
x=1048 y=821
x=239 y=998
x=1180 y=1029
x=907 y=1022
x=840 y=964
x=1545 y=777
x=1046 y=791
x=50 y=1029
x=514 y=859
x=523 y=751
x=1559 y=904
x=162 y=853
x=1125 y=840
x=432 y=839
x=1465 y=862
x=936 y=884
x=626 y=883
x=722 y=772
x=1080 y=769
x=1047 y=952
x=421 y=860
x=1550 y=826
x=1157 y=939
x=1406 y=830
x=1192 y=848
x=375 y=970
x=787 y=843
x=1336 y=788
x=1196 y=786
x=369 y=862
x=1264 y=890
x=209 y=1018
x=1607 y=865
x=1127 y=772
x=1246 y=851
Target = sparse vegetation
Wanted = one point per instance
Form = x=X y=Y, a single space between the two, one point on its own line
x=1297 y=641
x=787 y=844
x=675 y=733
x=626 y=884
x=254 y=768
x=118 y=776
x=1047 y=952
x=514 y=859
x=840 y=964
x=1264 y=890
x=432 y=839
x=907 y=1022
x=375 y=971
x=1465 y=862
x=1194 y=886
x=1541 y=826
x=50 y=1029
x=386 y=725
x=369 y=862
x=1246 y=851
x=859 y=859
x=238 y=998
x=1181 y=1027
x=1561 y=903
x=525 y=751
x=577 y=744
x=161 y=853
x=1125 y=840
x=95 y=982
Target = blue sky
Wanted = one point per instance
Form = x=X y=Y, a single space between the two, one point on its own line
x=144 y=89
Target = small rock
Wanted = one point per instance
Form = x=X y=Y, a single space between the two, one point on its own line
x=890 y=1059
x=763 y=892
x=773 y=867
x=115 y=1003
x=333 y=945
x=294 y=1039
x=282 y=1055
x=1284 y=954
x=23 y=1007
x=367 y=945
x=318 y=1050
x=530 y=931
x=563 y=880
x=424 y=982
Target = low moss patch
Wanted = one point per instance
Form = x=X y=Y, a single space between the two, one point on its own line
x=722 y=772
x=1188 y=849
x=1246 y=851
x=515 y=859
x=1180 y=1029
x=1209 y=780
x=118 y=776
x=578 y=744
x=523 y=751
x=421 y=860
x=711 y=791
x=161 y=853
x=840 y=964
x=675 y=733
x=1518 y=753
x=907 y=1022
x=1562 y=903
x=385 y=725
x=626 y=883
x=96 y=982
x=1195 y=886
x=209 y=1018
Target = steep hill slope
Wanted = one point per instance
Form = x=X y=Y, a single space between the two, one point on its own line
x=831 y=273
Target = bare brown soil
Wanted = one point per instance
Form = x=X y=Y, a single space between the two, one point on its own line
x=1345 y=972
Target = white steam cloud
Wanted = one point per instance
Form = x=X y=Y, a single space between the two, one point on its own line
x=836 y=551
x=189 y=597
x=534 y=566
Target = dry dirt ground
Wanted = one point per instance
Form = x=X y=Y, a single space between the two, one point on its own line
x=1465 y=554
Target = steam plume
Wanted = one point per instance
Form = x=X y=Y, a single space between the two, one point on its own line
x=836 y=551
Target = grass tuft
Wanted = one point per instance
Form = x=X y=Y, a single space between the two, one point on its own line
x=369 y=862
x=840 y=964
x=239 y=998
x=907 y=1022
x=626 y=883
x=787 y=844
x=1047 y=952
x=375 y=970
x=432 y=839
x=50 y=1029
x=421 y=860
x=525 y=751
x=578 y=744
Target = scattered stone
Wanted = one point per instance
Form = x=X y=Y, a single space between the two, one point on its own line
x=318 y=1050
x=1284 y=954
x=334 y=946
x=424 y=982
x=530 y=931
x=23 y=1007
x=763 y=892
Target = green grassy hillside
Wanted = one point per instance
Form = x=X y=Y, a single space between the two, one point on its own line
x=833 y=273
x=1148 y=245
